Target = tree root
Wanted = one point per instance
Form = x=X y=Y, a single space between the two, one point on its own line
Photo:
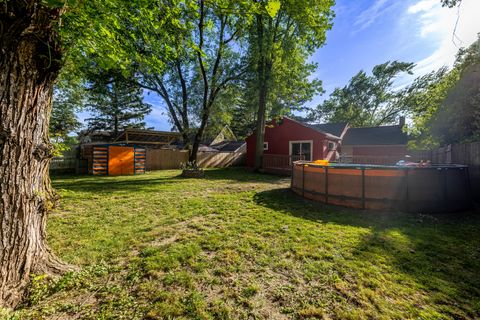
x=54 y=266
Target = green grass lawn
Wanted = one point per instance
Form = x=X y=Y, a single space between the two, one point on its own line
x=239 y=245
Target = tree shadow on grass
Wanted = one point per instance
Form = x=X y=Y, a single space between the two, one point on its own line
x=440 y=252
x=172 y=177
x=243 y=174
x=154 y=179
x=109 y=184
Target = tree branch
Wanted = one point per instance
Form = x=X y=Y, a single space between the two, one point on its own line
x=199 y=53
x=184 y=109
x=162 y=91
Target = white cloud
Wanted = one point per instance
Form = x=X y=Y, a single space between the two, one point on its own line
x=422 y=6
x=370 y=15
x=437 y=24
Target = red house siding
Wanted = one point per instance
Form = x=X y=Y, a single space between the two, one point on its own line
x=278 y=137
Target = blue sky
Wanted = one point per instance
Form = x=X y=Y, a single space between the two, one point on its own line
x=369 y=32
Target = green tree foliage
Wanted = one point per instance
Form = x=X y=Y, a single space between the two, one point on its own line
x=207 y=62
x=116 y=103
x=66 y=103
x=445 y=105
x=223 y=110
x=114 y=33
x=63 y=121
x=197 y=55
x=283 y=35
x=69 y=97
x=367 y=100
x=451 y=3
x=458 y=118
x=243 y=119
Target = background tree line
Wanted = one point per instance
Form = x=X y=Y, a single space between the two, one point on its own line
x=442 y=106
x=215 y=63
x=204 y=58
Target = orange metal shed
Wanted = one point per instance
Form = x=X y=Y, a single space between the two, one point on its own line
x=117 y=160
x=121 y=161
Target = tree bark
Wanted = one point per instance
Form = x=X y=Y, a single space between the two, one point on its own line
x=263 y=77
x=30 y=59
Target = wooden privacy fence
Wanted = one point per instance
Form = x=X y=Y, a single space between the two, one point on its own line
x=220 y=159
x=67 y=163
x=380 y=160
x=160 y=159
x=442 y=155
x=63 y=165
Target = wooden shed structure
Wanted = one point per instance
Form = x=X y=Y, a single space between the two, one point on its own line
x=115 y=160
x=125 y=154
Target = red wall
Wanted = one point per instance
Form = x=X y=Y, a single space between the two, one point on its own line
x=278 y=137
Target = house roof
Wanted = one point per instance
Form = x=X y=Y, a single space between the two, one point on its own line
x=328 y=134
x=205 y=148
x=385 y=135
x=333 y=128
x=228 y=146
x=226 y=134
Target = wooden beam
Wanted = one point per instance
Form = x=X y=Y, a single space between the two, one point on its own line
x=142 y=142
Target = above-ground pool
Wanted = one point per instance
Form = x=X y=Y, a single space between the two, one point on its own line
x=412 y=189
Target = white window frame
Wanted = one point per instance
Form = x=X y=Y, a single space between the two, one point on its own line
x=301 y=141
x=265 y=145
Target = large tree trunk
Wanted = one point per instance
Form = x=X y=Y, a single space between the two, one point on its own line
x=29 y=63
x=192 y=157
x=199 y=135
x=263 y=76
x=260 y=126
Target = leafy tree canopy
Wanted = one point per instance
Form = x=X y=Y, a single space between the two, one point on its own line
x=367 y=100
x=116 y=103
x=445 y=105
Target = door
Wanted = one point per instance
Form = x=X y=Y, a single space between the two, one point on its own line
x=120 y=160
x=301 y=150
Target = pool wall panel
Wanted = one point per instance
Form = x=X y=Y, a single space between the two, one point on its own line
x=430 y=189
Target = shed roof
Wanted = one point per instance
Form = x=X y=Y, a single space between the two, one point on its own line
x=228 y=146
x=385 y=135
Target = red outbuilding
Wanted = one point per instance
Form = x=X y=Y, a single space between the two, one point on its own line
x=288 y=137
